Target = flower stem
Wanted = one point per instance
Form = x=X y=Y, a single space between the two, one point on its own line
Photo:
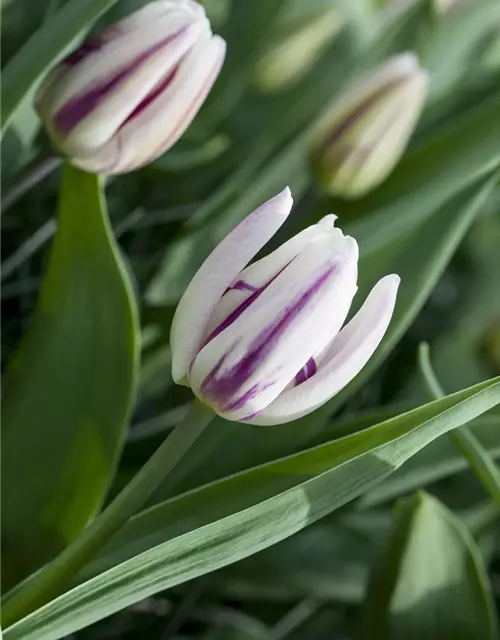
x=49 y=582
x=34 y=173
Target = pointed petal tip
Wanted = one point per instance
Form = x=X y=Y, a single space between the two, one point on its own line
x=282 y=202
x=286 y=194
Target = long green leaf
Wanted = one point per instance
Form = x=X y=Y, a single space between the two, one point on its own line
x=45 y=47
x=69 y=389
x=431 y=582
x=232 y=519
x=479 y=459
x=439 y=460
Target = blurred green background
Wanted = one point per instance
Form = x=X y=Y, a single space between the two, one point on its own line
x=435 y=220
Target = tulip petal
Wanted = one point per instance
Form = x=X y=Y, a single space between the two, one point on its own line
x=246 y=366
x=91 y=117
x=105 y=55
x=347 y=355
x=216 y=274
x=153 y=130
x=260 y=273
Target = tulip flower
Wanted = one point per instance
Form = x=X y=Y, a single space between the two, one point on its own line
x=127 y=95
x=264 y=343
x=364 y=133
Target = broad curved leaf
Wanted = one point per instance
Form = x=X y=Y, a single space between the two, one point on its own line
x=431 y=581
x=69 y=388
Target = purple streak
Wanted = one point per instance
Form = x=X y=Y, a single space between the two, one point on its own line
x=93 y=44
x=241 y=285
x=236 y=313
x=308 y=370
x=151 y=97
x=222 y=388
x=77 y=108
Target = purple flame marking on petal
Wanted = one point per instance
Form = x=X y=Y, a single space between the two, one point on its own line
x=151 y=97
x=222 y=389
x=307 y=371
x=188 y=114
x=81 y=105
x=236 y=313
x=92 y=44
x=241 y=285
x=249 y=416
x=85 y=49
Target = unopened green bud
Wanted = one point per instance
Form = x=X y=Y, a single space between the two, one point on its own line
x=363 y=134
x=290 y=57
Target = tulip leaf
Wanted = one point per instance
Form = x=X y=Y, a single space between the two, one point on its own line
x=439 y=460
x=69 y=388
x=468 y=25
x=431 y=582
x=480 y=461
x=229 y=520
x=44 y=48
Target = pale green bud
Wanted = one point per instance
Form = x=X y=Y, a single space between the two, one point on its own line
x=363 y=134
x=288 y=59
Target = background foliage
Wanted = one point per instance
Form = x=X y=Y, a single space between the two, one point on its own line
x=360 y=564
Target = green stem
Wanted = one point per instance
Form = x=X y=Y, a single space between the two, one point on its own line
x=48 y=583
x=479 y=459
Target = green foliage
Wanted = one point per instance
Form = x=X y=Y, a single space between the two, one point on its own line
x=431 y=581
x=69 y=388
x=325 y=478
x=256 y=533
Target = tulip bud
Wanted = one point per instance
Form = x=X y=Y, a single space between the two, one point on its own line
x=288 y=59
x=363 y=134
x=127 y=95
x=263 y=343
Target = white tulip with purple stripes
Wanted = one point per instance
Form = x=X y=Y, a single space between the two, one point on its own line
x=264 y=343
x=126 y=96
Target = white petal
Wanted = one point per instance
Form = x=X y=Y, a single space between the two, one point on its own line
x=116 y=105
x=119 y=47
x=259 y=273
x=162 y=123
x=216 y=274
x=244 y=368
x=347 y=355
